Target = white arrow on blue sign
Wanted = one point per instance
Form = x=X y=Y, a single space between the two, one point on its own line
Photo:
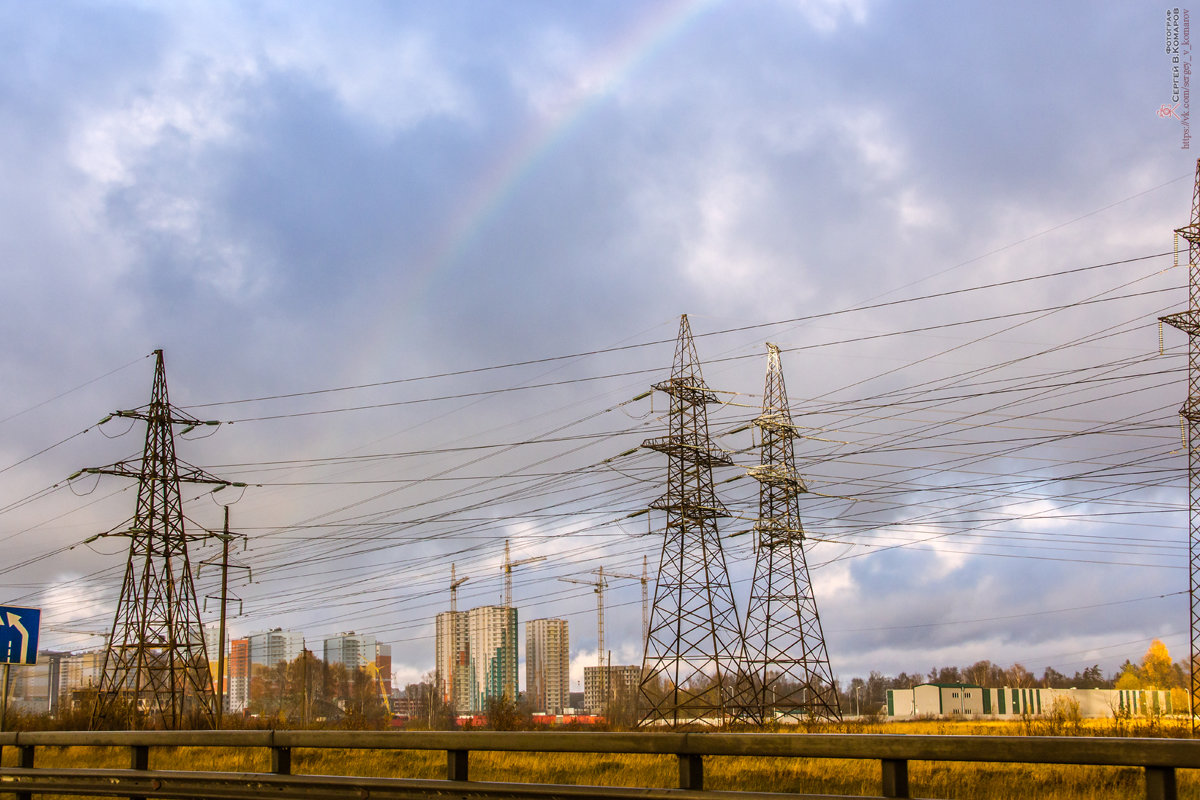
x=19 y=634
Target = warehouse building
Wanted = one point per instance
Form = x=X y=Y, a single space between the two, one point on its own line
x=968 y=700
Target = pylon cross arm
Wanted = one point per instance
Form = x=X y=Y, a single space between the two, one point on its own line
x=777 y=422
x=1186 y=321
x=1190 y=232
x=687 y=392
x=703 y=457
x=775 y=475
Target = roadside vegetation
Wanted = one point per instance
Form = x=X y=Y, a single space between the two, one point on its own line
x=824 y=776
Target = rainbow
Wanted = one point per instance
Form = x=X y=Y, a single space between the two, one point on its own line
x=496 y=185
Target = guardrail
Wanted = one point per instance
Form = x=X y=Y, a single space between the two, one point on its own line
x=1159 y=758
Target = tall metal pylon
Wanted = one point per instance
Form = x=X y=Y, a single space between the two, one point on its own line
x=694 y=644
x=1189 y=322
x=156 y=671
x=786 y=657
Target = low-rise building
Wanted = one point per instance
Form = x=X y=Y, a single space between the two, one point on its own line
x=967 y=700
x=621 y=684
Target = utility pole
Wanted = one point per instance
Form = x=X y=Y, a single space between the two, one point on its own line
x=786 y=658
x=1189 y=322
x=694 y=643
x=226 y=537
x=508 y=568
x=155 y=658
x=304 y=678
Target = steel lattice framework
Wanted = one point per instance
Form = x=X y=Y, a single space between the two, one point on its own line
x=786 y=658
x=694 y=641
x=156 y=671
x=1189 y=322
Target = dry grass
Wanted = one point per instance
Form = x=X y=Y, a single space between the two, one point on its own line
x=927 y=779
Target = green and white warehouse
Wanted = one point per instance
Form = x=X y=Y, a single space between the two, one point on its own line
x=969 y=700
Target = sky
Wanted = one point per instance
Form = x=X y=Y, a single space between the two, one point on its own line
x=424 y=260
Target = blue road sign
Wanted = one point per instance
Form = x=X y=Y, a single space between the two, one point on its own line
x=19 y=634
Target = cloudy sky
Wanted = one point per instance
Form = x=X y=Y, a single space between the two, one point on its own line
x=423 y=258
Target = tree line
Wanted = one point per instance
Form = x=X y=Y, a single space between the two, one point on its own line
x=308 y=691
x=1156 y=670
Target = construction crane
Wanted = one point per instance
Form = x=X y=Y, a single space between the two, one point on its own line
x=454 y=584
x=508 y=568
x=598 y=586
x=373 y=670
x=645 y=579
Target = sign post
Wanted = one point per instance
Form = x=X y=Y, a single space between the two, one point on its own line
x=18 y=644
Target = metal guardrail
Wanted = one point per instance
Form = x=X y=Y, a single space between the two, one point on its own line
x=1160 y=758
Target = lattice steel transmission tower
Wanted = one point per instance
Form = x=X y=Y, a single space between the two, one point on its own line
x=694 y=644
x=156 y=671
x=786 y=658
x=1189 y=322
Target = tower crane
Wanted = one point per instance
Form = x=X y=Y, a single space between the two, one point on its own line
x=645 y=579
x=508 y=568
x=598 y=586
x=454 y=584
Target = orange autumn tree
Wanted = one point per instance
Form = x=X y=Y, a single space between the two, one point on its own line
x=1157 y=671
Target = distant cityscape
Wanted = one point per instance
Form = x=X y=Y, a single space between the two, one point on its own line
x=476 y=665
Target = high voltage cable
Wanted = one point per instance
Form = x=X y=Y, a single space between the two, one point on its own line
x=1025 y=615
x=739 y=329
x=629 y=373
x=571 y=497
x=67 y=392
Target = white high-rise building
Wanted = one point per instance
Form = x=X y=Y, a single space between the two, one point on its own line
x=354 y=650
x=492 y=651
x=547 y=665
x=453 y=679
x=270 y=647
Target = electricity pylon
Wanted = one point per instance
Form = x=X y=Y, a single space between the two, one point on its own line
x=786 y=658
x=1189 y=322
x=155 y=667
x=694 y=645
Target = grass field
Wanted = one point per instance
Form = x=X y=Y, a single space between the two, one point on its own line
x=927 y=779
